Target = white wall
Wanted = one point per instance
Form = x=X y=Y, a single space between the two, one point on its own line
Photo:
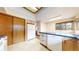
x=2 y=10
x=50 y=27
x=19 y=12
x=49 y=12
x=43 y=27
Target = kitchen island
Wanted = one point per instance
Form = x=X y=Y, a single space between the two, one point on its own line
x=56 y=41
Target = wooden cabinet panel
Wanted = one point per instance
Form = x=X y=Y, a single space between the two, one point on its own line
x=77 y=45
x=13 y=27
x=69 y=45
x=6 y=27
x=18 y=30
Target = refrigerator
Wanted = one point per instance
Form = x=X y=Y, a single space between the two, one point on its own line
x=30 y=31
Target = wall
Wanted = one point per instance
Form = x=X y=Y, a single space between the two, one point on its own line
x=50 y=27
x=2 y=10
x=20 y=12
x=43 y=27
x=49 y=12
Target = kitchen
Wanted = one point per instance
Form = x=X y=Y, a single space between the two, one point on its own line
x=61 y=32
x=49 y=29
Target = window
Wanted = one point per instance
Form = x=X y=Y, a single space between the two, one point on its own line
x=64 y=26
x=58 y=27
x=77 y=25
x=68 y=26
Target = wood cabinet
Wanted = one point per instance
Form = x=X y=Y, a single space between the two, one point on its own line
x=69 y=45
x=13 y=27
x=18 y=30
x=6 y=27
x=77 y=45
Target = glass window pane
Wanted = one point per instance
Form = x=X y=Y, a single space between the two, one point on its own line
x=68 y=26
x=58 y=26
x=63 y=26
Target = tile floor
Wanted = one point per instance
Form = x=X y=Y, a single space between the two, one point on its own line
x=31 y=45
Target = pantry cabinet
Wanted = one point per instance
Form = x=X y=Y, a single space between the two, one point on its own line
x=13 y=27
x=18 y=30
x=6 y=27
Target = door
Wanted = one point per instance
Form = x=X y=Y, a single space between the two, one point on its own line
x=18 y=30
x=6 y=27
x=77 y=45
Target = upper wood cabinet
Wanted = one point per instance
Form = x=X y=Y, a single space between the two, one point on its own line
x=6 y=27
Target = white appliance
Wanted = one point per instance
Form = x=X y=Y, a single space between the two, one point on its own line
x=3 y=43
x=30 y=31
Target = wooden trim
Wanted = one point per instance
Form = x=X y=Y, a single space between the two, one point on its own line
x=39 y=10
x=24 y=30
x=12 y=28
x=31 y=11
x=65 y=25
x=28 y=10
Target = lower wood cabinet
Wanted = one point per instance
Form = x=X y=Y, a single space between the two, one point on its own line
x=77 y=45
x=70 y=45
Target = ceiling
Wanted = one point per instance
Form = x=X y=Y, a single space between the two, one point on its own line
x=33 y=9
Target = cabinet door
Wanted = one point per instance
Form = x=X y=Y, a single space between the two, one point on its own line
x=69 y=45
x=6 y=27
x=18 y=30
x=54 y=42
x=77 y=45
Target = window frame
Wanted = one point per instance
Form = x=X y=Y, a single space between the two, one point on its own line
x=65 y=28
